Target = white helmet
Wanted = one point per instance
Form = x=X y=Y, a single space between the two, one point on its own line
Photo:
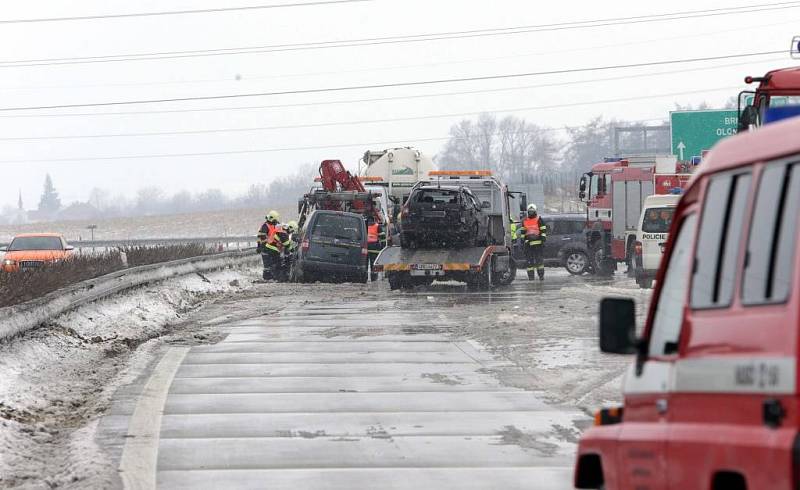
x=532 y=207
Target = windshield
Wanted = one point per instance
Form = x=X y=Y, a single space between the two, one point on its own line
x=657 y=220
x=36 y=243
x=438 y=196
x=338 y=226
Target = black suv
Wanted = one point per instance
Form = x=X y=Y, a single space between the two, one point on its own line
x=435 y=216
x=565 y=245
x=333 y=247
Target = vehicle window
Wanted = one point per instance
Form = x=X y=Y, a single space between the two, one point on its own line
x=669 y=308
x=578 y=226
x=337 y=226
x=35 y=243
x=438 y=196
x=719 y=240
x=657 y=220
x=773 y=232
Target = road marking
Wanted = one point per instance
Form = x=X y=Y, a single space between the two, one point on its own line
x=140 y=454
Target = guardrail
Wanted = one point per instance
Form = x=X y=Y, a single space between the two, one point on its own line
x=26 y=316
x=238 y=242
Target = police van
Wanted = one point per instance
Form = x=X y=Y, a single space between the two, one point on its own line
x=651 y=236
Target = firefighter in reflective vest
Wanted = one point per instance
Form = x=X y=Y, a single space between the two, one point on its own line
x=288 y=246
x=271 y=240
x=535 y=231
x=376 y=241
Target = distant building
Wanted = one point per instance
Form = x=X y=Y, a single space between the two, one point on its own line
x=20 y=216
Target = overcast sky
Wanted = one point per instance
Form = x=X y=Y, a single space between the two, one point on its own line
x=64 y=84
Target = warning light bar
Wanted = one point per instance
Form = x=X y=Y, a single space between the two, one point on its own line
x=448 y=173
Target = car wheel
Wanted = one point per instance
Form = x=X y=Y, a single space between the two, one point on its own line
x=576 y=262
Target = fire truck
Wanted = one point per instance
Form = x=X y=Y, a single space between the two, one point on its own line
x=776 y=97
x=614 y=192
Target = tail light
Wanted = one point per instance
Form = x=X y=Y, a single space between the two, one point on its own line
x=305 y=245
x=637 y=248
x=608 y=416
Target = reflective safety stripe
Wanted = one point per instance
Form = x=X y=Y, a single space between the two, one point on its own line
x=534 y=242
x=272 y=247
x=730 y=374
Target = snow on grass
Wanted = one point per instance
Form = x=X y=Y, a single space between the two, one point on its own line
x=56 y=381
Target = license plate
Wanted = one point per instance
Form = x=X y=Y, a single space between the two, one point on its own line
x=426 y=267
x=434 y=214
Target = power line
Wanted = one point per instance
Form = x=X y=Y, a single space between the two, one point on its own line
x=404 y=39
x=391 y=85
x=230 y=152
x=295 y=148
x=392 y=98
x=178 y=12
x=357 y=122
x=398 y=67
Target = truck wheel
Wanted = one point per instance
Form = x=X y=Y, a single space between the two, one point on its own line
x=479 y=280
x=506 y=278
x=576 y=263
x=399 y=280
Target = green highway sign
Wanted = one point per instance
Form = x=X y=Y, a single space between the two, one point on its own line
x=695 y=131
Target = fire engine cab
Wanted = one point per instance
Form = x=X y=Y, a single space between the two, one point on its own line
x=614 y=192
x=712 y=400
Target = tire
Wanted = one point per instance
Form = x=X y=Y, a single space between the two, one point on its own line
x=397 y=280
x=407 y=240
x=508 y=277
x=576 y=262
x=479 y=281
x=362 y=278
x=373 y=276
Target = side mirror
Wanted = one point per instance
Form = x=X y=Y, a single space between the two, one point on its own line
x=3 y=249
x=618 y=326
x=748 y=117
x=582 y=188
x=486 y=205
x=69 y=248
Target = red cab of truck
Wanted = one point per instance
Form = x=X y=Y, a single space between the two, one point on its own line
x=712 y=400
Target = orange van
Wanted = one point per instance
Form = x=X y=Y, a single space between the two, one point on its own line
x=32 y=250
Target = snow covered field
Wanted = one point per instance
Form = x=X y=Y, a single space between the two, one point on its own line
x=239 y=222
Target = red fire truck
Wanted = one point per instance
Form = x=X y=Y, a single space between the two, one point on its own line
x=614 y=192
x=712 y=400
x=776 y=97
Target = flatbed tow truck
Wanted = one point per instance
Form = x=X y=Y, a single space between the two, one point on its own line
x=479 y=266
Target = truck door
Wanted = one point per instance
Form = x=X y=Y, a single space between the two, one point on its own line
x=643 y=438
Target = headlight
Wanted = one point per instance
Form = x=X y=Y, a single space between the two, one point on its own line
x=9 y=262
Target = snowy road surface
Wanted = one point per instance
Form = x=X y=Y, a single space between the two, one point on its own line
x=285 y=402
x=317 y=386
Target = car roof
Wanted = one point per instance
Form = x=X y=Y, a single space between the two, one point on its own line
x=768 y=142
x=342 y=213
x=36 y=235
x=443 y=187
x=662 y=200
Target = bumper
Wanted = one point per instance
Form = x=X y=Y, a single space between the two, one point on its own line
x=331 y=268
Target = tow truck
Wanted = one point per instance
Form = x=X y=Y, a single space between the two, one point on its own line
x=614 y=192
x=340 y=191
x=479 y=266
